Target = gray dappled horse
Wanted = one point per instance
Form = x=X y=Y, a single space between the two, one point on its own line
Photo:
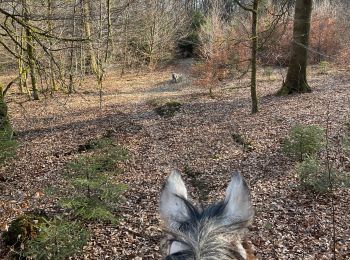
x=215 y=232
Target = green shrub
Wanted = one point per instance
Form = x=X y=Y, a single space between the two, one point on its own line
x=89 y=209
x=268 y=71
x=94 y=197
x=304 y=141
x=95 y=164
x=324 y=67
x=104 y=143
x=104 y=157
x=93 y=192
x=35 y=236
x=346 y=139
x=168 y=109
x=57 y=239
x=315 y=176
x=96 y=144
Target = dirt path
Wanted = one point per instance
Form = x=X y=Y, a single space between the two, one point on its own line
x=289 y=223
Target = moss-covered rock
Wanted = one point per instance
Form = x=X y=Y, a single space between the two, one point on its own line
x=168 y=109
x=242 y=140
x=24 y=227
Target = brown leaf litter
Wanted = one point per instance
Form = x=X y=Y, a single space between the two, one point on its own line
x=290 y=223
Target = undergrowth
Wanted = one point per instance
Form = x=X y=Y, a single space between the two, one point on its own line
x=23 y=228
x=57 y=239
x=323 y=67
x=8 y=144
x=34 y=235
x=93 y=192
x=304 y=141
x=314 y=176
x=168 y=109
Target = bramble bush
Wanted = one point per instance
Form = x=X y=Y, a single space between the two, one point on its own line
x=243 y=140
x=165 y=107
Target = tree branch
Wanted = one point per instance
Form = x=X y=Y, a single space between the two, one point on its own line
x=244 y=7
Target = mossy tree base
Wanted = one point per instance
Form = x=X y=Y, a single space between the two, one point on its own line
x=296 y=80
x=288 y=89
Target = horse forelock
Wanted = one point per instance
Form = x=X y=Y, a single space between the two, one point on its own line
x=204 y=237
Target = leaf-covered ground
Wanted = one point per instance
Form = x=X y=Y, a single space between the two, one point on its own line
x=290 y=223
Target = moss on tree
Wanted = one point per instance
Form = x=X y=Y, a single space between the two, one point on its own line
x=291 y=87
x=4 y=121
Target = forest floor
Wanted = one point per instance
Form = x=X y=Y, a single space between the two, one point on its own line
x=290 y=223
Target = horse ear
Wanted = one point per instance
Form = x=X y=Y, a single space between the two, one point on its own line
x=173 y=209
x=238 y=207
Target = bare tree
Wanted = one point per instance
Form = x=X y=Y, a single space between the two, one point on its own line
x=254 y=47
x=155 y=30
x=27 y=34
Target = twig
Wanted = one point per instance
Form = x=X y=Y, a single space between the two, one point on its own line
x=330 y=181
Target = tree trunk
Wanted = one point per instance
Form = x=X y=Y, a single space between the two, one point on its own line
x=254 y=47
x=72 y=52
x=87 y=25
x=126 y=42
x=254 y=54
x=23 y=88
x=296 y=81
x=30 y=52
x=4 y=121
x=109 y=47
x=54 y=86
